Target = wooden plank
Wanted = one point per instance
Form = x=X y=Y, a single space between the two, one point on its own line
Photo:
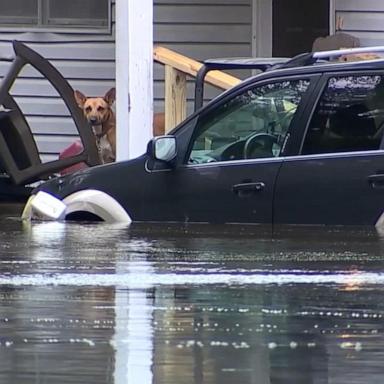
x=370 y=39
x=202 y=34
x=209 y=51
x=202 y=2
x=359 y=5
x=209 y=91
x=95 y=51
x=175 y=97
x=158 y=73
x=71 y=70
x=191 y=67
x=203 y=14
x=362 y=21
x=70 y=50
x=40 y=106
x=53 y=144
x=41 y=87
x=51 y=37
x=52 y=125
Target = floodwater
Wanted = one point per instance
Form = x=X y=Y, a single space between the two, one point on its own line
x=95 y=303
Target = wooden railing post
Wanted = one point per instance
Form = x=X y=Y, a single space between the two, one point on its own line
x=175 y=97
x=177 y=68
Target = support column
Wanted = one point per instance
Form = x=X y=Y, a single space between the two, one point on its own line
x=134 y=77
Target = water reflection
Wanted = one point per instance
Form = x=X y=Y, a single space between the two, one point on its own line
x=165 y=304
x=133 y=340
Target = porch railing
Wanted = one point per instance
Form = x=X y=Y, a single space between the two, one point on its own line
x=177 y=68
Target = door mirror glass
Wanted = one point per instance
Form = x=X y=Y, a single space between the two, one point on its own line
x=164 y=148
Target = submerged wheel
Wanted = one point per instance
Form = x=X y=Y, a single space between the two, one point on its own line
x=82 y=216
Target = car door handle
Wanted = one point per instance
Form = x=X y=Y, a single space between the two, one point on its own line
x=376 y=181
x=248 y=188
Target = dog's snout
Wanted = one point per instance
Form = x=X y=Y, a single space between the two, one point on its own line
x=93 y=120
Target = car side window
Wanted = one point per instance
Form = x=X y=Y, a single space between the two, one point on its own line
x=252 y=125
x=349 y=116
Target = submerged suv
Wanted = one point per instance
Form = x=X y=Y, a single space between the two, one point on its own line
x=300 y=143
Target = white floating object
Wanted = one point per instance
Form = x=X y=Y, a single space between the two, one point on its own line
x=98 y=203
x=44 y=206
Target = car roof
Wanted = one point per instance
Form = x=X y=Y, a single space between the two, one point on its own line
x=336 y=60
x=349 y=59
x=344 y=60
x=356 y=55
x=365 y=58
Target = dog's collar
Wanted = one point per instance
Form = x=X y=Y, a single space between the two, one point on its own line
x=100 y=135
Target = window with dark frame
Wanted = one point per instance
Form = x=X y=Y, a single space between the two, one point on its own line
x=92 y=14
x=252 y=125
x=349 y=116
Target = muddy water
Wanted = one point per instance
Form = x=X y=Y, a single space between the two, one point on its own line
x=107 y=304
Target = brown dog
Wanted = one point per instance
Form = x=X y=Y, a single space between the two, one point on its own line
x=98 y=112
x=100 y=115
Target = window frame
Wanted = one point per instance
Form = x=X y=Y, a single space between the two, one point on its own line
x=42 y=23
x=313 y=104
x=294 y=132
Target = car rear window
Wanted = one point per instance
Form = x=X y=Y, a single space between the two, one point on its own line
x=349 y=116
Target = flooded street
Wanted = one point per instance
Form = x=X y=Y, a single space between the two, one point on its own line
x=95 y=303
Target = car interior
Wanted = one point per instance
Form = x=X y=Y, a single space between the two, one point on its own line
x=251 y=126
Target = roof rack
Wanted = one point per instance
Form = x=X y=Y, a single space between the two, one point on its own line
x=267 y=64
x=306 y=59
x=346 y=51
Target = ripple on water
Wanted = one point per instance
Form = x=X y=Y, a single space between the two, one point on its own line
x=143 y=280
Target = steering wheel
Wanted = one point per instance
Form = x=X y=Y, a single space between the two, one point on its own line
x=262 y=140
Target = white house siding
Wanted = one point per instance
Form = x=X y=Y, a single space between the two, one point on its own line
x=363 y=19
x=200 y=29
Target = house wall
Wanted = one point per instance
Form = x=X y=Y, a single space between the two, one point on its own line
x=200 y=29
x=363 y=19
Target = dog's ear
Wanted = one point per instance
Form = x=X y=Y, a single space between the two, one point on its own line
x=80 y=98
x=110 y=96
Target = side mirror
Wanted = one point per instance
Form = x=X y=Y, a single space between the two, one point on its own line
x=163 y=148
